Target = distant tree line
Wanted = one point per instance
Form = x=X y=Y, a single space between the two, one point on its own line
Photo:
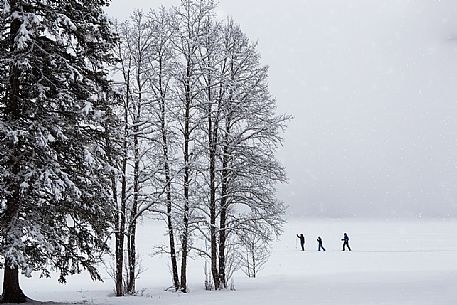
x=186 y=130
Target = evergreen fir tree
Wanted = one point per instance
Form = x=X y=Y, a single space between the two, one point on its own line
x=55 y=188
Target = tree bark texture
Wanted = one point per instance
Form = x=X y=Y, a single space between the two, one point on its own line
x=12 y=292
x=223 y=212
x=174 y=264
x=188 y=101
x=136 y=189
x=212 y=139
x=120 y=234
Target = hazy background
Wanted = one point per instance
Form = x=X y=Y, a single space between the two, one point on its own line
x=373 y=88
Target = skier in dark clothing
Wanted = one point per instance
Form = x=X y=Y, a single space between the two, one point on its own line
x=319 y=241
x=346 y=242
x=302 y=241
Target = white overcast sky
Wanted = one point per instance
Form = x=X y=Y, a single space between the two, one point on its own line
x=373 y=89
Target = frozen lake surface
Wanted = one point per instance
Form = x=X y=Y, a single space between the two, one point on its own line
x=392 y=262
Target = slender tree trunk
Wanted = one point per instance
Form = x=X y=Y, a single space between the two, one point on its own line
x=254 y=267
x=136 y=189
x=131 y=259
x=185 y=232
x=223 y=213
x=212 y=138
x=121 y=213
x=119 y=258
x=248 y=264
x=120 y=229
x=166 y=167
x=222 y=245
x=122 y=210
x=120 y=232
x=132 y=230
x=131 y=249
x=117 y=229
x=123 y=206
x=213 y=230
x=136 y=170
x=174 y=264
x=224 y=190
x=116 y=222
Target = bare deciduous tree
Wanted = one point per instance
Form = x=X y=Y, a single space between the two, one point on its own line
x=202 y=135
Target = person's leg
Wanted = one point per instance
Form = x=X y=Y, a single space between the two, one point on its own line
x=323 y=248
x=303 y=247
x=349 y=247
x=344 y=246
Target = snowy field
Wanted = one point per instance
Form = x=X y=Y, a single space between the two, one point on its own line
x=392 y=262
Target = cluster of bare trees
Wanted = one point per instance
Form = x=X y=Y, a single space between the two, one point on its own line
x=197 y=144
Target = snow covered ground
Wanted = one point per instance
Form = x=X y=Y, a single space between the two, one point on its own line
x=392 y=262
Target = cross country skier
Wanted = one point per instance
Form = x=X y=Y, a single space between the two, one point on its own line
x=302 y=241
x=346 y=242
x=319 y=241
